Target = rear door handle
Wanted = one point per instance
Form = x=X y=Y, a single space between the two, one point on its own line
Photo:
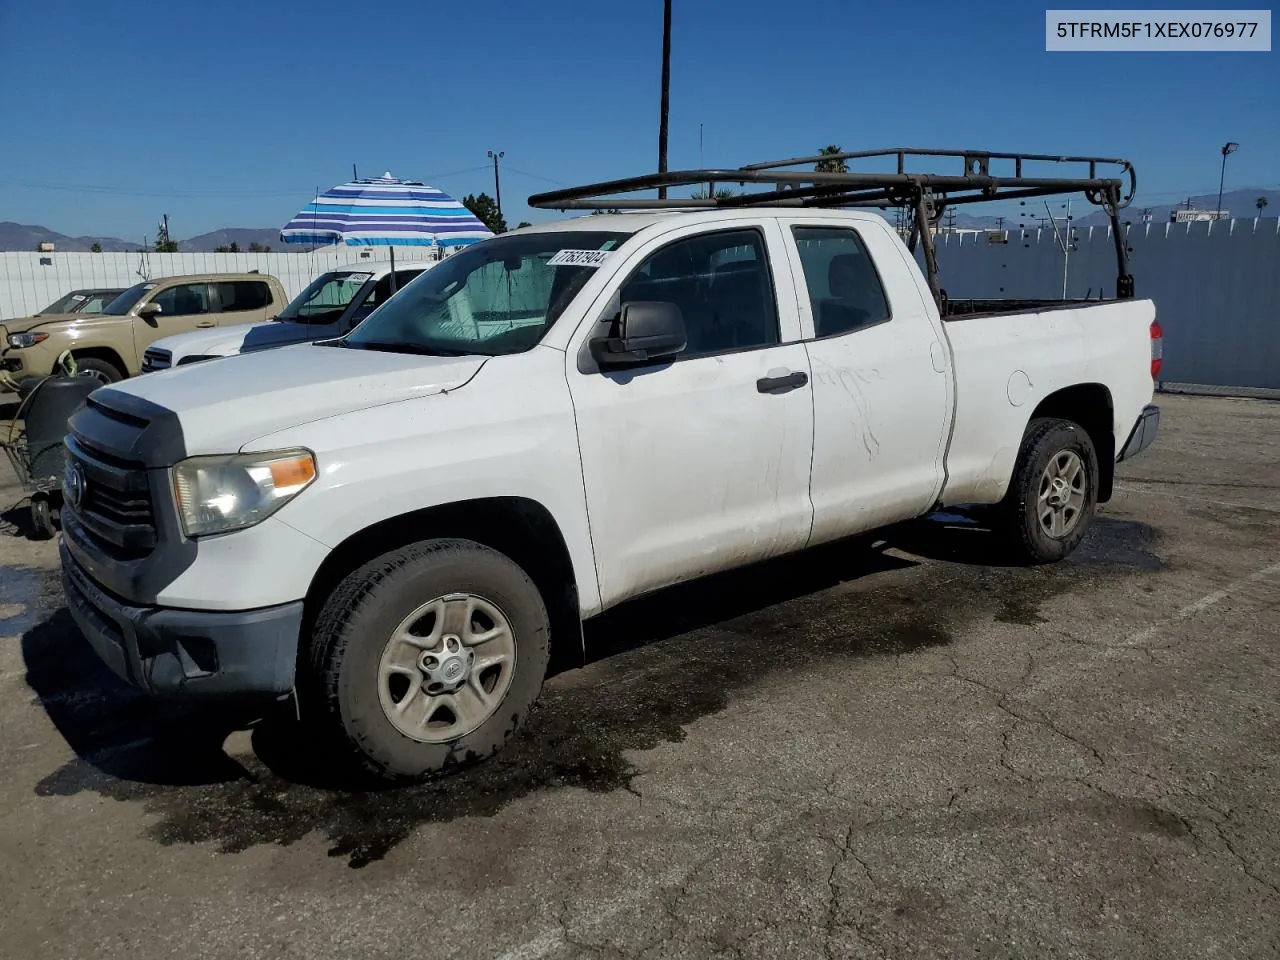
x=783 y=384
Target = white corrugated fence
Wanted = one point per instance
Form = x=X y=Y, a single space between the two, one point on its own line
x=31 y=281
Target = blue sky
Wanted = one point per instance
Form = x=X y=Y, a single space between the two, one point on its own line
x=232 y=113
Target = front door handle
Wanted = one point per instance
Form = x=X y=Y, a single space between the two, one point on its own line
x=783 y=384
x=205 y=323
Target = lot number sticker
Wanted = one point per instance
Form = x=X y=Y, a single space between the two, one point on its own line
x=579 y=258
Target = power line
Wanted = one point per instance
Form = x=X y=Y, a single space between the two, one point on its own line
x=536 y=176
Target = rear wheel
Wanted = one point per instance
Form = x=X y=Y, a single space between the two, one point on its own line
x=429 y=657
x=1054 y=492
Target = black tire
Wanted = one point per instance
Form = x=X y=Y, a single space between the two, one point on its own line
x=102 y=370
x=352 y=630
x=1019 y=519
x=42 y=524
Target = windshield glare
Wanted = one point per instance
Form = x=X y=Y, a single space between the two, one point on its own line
x=126 y=301
x=326 y=298
x=66 y=304
x=496 y=297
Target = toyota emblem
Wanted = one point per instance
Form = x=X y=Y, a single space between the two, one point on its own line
x=75 y=485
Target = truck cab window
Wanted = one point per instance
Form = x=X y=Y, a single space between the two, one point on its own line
x=722 y=285
x=845 y=292
x=183 y=300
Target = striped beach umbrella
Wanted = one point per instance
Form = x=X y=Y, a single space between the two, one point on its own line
x=385 y=212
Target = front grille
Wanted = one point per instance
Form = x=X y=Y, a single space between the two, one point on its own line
x=156 y=359
x=111 y=498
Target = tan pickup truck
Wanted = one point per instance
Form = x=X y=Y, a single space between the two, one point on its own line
x=110 y=345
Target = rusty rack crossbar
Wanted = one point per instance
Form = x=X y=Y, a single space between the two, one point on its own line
x=927 y=194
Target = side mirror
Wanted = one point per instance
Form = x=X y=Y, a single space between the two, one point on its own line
x=647 y=330
x=149 y=310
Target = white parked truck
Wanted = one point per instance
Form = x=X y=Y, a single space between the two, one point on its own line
x=394 y=525
x=333 y=303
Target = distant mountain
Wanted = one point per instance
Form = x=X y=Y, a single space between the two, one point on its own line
x=1240 y=204
x=27 y=237
x=20 y=236
x=240 y=236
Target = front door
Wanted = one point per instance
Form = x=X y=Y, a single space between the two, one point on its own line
x=183 y=307
x=701 y=463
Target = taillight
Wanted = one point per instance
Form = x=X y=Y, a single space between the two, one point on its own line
x=1157 y=349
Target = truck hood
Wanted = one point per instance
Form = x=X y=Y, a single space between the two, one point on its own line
x=228 y=341
x=224 y=405
x=23 y=324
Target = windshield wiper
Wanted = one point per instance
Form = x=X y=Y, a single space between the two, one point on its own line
x=405 y=346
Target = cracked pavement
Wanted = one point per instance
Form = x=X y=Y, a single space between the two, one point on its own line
x=886 y=748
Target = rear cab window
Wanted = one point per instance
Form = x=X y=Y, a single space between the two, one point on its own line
x=844 y=287
x=236 y=296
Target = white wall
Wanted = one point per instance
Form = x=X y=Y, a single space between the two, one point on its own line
x=28 y=284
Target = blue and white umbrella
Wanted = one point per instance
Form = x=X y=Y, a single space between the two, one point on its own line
x=385 y=212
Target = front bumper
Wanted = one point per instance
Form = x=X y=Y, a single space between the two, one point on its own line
x=1143 y=433
x=172 y=652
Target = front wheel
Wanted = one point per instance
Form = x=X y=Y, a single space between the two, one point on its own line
x=428 y=658
x=1054 y=491
x=103 y=371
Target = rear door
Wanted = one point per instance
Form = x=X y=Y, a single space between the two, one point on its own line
x=242 y=301
x=881 y=393
x=701 y=463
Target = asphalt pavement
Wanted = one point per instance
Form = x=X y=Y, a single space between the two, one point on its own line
x=891 y=747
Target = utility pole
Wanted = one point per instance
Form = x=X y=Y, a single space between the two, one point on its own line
x=354 y=176
x=999 y=223
x=497 y=183
x=666 y=93
x=951 y=220
x=1228 y=149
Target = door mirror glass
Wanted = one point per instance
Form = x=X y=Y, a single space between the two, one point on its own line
x=149 y=310
x=646 y=330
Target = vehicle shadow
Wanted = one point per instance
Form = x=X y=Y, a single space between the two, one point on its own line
x=656 y=665
x=119 y=732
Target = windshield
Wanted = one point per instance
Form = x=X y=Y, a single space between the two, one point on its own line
x=326 y=299
x=67 y=304
x=496 y=297
x=126 y=301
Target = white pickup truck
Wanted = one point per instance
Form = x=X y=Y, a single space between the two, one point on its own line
x=333 y=303
x=394 y=525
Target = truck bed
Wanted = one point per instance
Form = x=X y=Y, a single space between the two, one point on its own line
x=1005 y=365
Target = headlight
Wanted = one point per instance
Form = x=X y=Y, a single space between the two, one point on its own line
x=217 y=494
x=21 y=340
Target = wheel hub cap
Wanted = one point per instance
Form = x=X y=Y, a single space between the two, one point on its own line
x=450 y=667
x=1062 y=494
x=446 y=668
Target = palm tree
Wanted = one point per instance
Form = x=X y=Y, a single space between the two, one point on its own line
x=722 y=193
x=831 y=166
x=1261 y=204
x=666 y=93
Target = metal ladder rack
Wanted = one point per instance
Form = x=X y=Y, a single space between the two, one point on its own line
x=927 y=193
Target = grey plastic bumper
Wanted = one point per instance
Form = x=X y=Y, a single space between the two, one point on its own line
x=1143 y=433
x=186 y=652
